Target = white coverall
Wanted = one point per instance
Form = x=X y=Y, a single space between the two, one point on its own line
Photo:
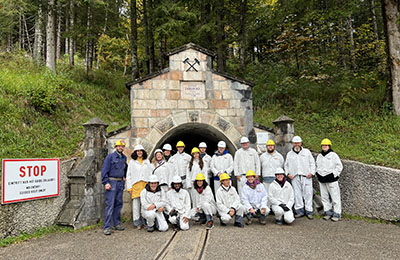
x=147 y=198
x=137 y=172
x=300 y=165
x=281 y=195
x=220 y=164
x=180 y=162
x=228 y=198
x=326 y=165
x=256 y=199
x=180 y=202
x=269 y=163
x=191 y=175
x=245 y=160
x=207 y=163
x=163 y=173
x=204 y=202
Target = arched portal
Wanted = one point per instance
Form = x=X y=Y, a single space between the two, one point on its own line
x=194 y=133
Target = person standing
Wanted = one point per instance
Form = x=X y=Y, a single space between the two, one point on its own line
x=139 y=171
x=300 y=168
x=254 y=199
x=167 y=148
x=153 y=202
x=113 y=173
x=196 y=166
x=329 y=168
x=180 y=161
x=178 y=205
x=205 y=157
x=246 y=158
x=159 y=167
x=270 y=161
x=221 y=162
x=281 y=197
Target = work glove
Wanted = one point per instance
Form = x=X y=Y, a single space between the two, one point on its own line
x=173 y=213
x=284 y=207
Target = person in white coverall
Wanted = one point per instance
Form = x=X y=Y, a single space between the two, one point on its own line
x=180 y=161
x=254 y=199
x=167 y=149
x=205 y=157
x=300 y=168
x=178 y=205
x=228 y=202
x=281 y=197
x=139 y=171
x=329 y=168
x=270 y=161
x=221 y=162
x=204 y=206
x=246 y=158
x=153 y=203
x=159 y=167
x=195 y=166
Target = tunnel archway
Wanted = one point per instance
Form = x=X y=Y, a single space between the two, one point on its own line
x=194 y=133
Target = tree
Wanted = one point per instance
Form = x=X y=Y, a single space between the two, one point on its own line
x=50 y=36
x=134 y=39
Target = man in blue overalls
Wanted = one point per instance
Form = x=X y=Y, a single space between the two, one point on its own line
x=113 y=175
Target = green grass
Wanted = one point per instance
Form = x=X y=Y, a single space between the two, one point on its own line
x=41 y=232
x=42 y=113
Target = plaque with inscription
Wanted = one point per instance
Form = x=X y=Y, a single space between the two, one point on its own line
x=193 y=90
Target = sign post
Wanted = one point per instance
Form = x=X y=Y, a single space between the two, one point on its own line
x=29 y=179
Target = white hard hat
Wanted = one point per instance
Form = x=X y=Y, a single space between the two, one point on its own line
x=167 y=147
x=138 y=147
x=153 y=178
x=244 y=139
x=158 y=151
x=176 y=179
x=222 y=144
x=202 y=145
x=279 y=171
x=297 y=139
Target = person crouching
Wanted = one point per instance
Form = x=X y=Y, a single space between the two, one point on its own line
x=254 y=199
x=228 y=202
x=153 y=203
x=281 y=197
x=204 y=205
x=178 y=205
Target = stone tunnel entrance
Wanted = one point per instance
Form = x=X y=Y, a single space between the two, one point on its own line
x=194 y=133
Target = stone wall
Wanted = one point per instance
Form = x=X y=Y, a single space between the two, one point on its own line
x=27 y=216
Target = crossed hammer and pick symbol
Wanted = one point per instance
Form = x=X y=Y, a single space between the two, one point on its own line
x=191 y=65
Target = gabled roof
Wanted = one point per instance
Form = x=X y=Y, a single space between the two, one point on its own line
x=193 y=46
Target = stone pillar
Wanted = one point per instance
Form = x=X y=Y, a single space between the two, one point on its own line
x=284 y=131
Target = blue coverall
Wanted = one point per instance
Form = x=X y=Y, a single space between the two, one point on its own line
x=114 y=166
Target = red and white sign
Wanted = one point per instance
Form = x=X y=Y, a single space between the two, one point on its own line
x=29 y=179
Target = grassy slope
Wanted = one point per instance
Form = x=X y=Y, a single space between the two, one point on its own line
x=42 y=113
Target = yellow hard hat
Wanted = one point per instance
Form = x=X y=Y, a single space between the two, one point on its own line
x=326 y=141
x=200 y=177
x=224 y=176
x=250 y=173
x=120 y=142
x=270 y=142
x=195 y=150
x=180 y=144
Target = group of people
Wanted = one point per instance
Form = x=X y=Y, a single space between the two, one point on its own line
x=175 y=188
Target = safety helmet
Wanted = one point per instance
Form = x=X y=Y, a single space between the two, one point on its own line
x=270 y=142
x=153 y=178
x=244 y=139
x=297 y=139
x=176 y=179
x=195 y=150
x=167 y=147
x=138 y=147
x=326 y=141
x=250 y=173
x=224 y=176
x=120 y=142
x=222 y=144
x=279 y=171
x=158 y=151
x=202 y=145
x=200 y=177
x=180 y=144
